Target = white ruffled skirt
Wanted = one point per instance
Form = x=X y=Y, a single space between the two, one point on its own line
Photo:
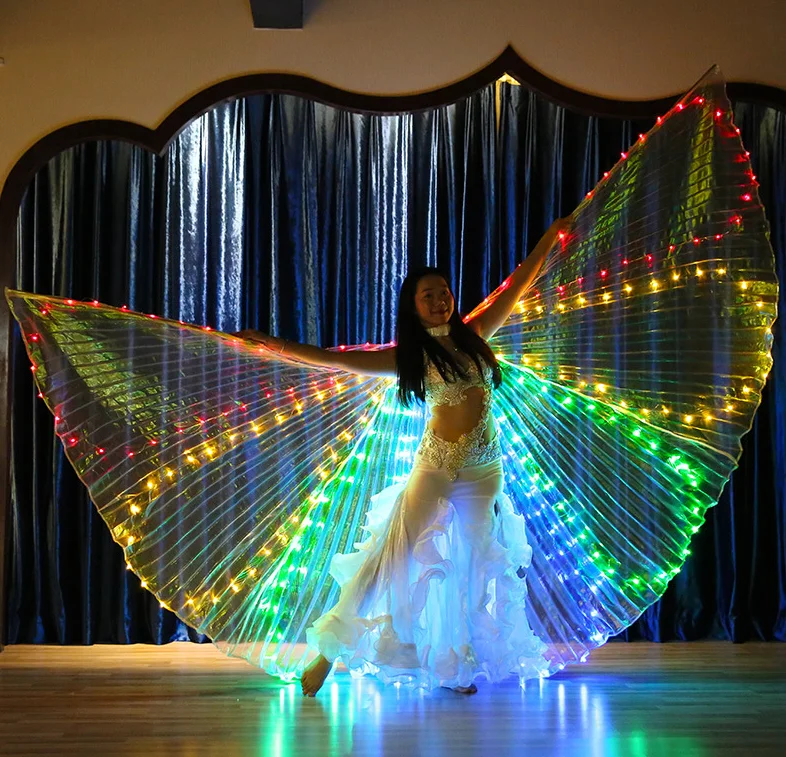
x=436 y=595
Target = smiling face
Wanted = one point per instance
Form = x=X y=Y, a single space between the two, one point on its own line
x=433 y=301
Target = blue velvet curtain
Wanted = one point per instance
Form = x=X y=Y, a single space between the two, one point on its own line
x=301 y=219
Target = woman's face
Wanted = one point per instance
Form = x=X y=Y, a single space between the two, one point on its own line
x=433 y=301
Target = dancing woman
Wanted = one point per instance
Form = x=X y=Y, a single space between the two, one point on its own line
x=236 y=476
x=447 y=522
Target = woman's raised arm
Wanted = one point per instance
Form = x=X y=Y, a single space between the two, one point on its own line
x=488 y=320
x=364 y=362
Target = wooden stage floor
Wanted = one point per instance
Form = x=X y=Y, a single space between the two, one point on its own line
x=698 y=699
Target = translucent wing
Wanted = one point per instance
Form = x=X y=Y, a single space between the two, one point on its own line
x=228 y=476
x=634 y=367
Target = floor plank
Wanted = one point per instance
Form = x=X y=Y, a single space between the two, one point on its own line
x=630 y=700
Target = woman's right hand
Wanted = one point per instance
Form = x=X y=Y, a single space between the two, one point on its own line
x=251 y=335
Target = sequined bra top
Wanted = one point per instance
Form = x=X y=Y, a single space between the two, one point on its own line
x=441 y=392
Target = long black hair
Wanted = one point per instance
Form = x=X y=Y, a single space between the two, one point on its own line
x=412 y=340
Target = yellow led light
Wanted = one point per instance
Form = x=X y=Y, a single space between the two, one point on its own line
x=582 y=300
x=675 y=276
x=191 y=459
x=628 y=288
x=606 y=297
x=699 y=272
x=707 y=417
x=539 y=308
x=234 y=587
x=143 y=584
x=601 y=388
x=665 y=411
x=190 y=602
x=743 y=284
x=210 y=451
x=721 y=271
x=150 y=485
x=645 y=411
x=561 y=306
x=746 y=390
x=214 y=600
x=135 y=509
x=729 y=408
x=252 y=572
x=130 y=540
x=169 y=473
x=688 y=419
x=759 y=304
x=654 y=285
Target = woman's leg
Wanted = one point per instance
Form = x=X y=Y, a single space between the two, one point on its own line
x=383 y=577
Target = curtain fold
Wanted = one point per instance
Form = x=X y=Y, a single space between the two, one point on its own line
x=300 y=219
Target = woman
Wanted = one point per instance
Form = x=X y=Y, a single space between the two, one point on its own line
x=390 y=619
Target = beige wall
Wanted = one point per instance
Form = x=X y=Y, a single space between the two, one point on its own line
x=71 y=60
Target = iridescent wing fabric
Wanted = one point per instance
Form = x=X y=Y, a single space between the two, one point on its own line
x=632 y=370
x=634 y=366
x=229 y=477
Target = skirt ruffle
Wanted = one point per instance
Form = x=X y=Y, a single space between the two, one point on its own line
x=447 y=611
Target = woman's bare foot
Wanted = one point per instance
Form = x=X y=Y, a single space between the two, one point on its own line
x=314 y=676
x=471 y=689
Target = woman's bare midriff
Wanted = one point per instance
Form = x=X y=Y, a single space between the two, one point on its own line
x=451 y=422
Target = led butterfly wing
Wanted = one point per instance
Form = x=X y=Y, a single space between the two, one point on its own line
x=634 y=367
x=228 y=476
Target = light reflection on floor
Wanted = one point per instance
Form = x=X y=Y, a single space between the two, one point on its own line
x=187 y=700
x=574 y=713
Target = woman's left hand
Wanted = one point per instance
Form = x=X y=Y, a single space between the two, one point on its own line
x=560 y=226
